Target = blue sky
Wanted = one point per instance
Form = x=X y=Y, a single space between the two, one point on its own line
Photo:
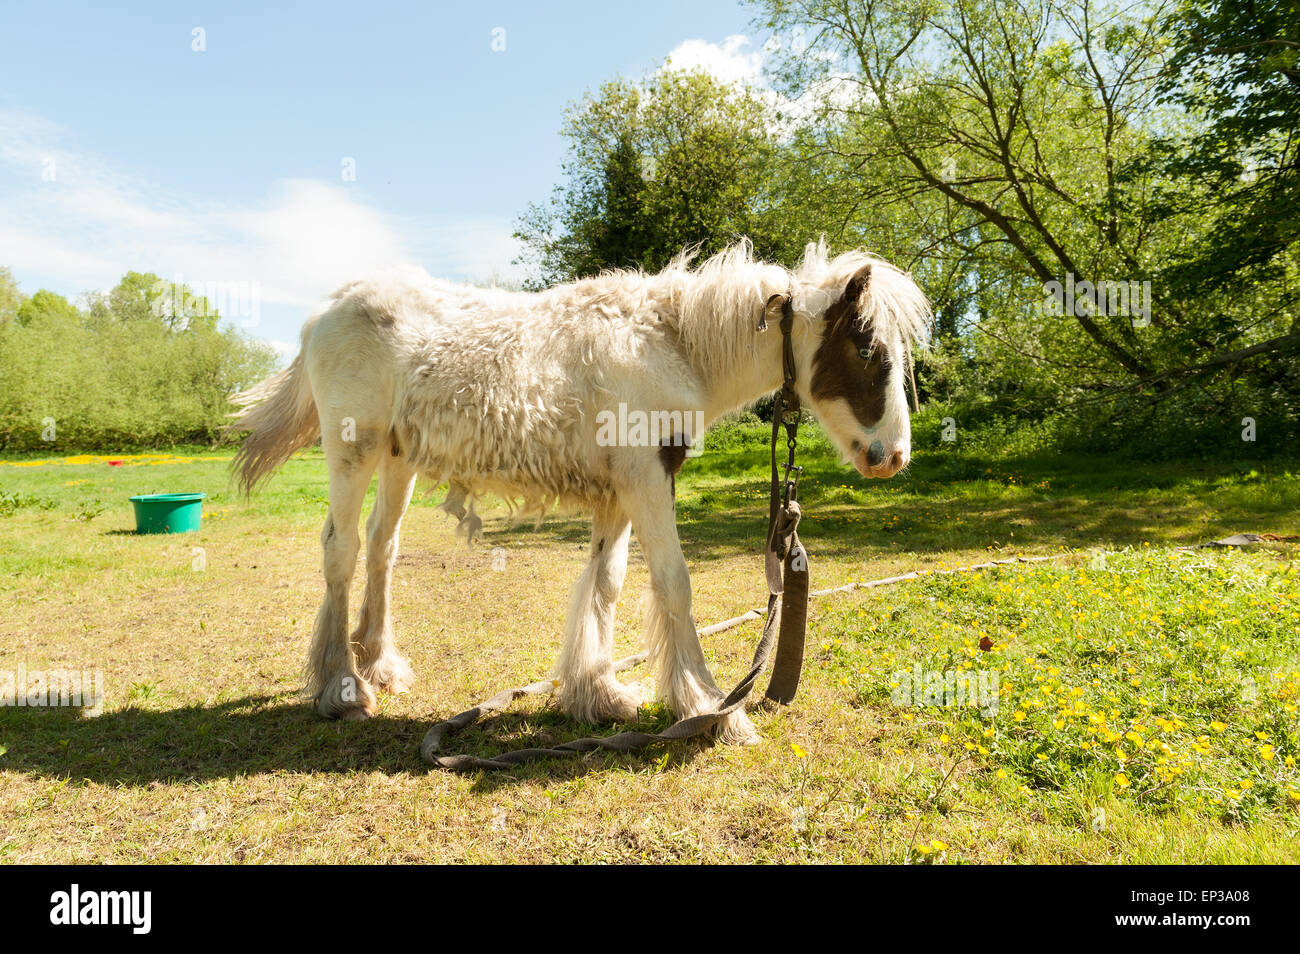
x=122 y=147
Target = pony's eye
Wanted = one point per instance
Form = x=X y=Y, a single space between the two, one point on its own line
x=864 y=353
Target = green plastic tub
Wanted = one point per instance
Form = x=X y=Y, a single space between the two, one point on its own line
x=167 y=513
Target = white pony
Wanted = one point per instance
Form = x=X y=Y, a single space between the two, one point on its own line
x=514 y=393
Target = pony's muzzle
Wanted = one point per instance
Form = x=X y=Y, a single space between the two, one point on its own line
x=872 y=461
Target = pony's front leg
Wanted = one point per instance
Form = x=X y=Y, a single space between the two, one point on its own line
x=377 y=657
x=684 y=681
x=589 y=690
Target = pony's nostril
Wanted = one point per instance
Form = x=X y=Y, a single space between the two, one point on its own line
x=896 y=461
x=875 y=453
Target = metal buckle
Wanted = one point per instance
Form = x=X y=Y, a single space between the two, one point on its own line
x=791 y=483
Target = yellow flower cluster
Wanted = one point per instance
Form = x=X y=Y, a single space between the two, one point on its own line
x=126 y=460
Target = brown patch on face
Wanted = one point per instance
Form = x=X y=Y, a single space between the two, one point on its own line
x=839 y=370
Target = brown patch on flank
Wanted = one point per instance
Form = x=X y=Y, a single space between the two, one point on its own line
x=672 y=455
x=839 y=370
x=356 y=452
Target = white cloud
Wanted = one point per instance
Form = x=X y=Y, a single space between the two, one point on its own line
x=732 y=62
x=726 y=61
x=477 y=248
x=299 y=240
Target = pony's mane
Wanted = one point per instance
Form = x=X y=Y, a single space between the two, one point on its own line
x=715 y=304
x=899 y=312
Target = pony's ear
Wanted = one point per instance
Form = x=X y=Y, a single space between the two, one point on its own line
x=858 y=284
x=772 y=310
x=844 y=313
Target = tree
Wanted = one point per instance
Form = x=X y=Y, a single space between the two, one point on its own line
x=124 y=371
x=10 y=296
x=679 y=160
x=1004 y=139
x=46 y=308
x=603 y=221
x=1234 y=67
x=1016 y=113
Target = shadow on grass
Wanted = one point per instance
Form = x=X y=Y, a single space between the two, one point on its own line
x=280 y=734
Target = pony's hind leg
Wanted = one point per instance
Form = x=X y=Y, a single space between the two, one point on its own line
x=589 y=690
x=333 y=679
x=684 y=681
x=377 y=657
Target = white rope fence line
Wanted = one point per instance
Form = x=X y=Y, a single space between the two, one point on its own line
x=1238 y=540
x=544 y=686
x=727 y=624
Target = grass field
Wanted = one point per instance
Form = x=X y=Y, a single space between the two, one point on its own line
x=1142 y=708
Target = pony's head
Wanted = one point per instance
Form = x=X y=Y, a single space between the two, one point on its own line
x=865 y=317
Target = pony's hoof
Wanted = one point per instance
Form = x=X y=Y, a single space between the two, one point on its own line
x=619 y=703
x=390 y=674
x=736 y=729
x=346 y=697
x=696 y=699
x=604 y=700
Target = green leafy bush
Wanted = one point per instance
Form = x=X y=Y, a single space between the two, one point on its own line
x=116 y=375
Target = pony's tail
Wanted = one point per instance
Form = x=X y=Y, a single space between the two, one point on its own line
x=280 y=417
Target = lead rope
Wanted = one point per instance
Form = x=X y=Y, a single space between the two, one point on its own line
x=786 y=569
x=786 y=561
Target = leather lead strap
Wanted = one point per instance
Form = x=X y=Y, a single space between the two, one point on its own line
x=786 y=561
x=786 y=569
